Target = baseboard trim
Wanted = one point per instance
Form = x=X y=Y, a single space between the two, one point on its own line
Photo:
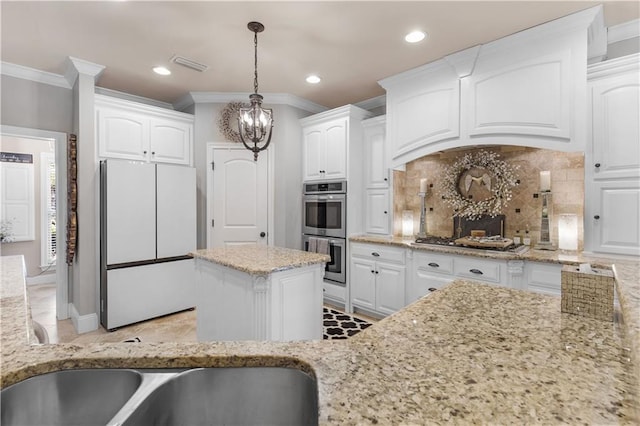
x=41 y=279
x=83 y=323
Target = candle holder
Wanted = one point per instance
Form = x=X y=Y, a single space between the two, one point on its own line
x=422 y=232
x=545 y=236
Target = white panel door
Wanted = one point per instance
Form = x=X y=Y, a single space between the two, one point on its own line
x=616 y=128
x=615 y=218
x=176 y=210
x=131 y=211
x=389 y=288
x=18 y=200
x=240 y=185
x=170 y=141
x=336 y=150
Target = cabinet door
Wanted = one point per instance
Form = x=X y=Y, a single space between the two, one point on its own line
x=335 y=135
x=612 y=220
x=616 y=128
x=121 y=134
x=377 y=211
x=170 y=141
x=313 y=153
x=389 y=288
x=363 y=289
x=376 y=172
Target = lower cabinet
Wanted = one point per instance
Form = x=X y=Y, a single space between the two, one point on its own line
x=377 y=286
x=380 y=284
x=543 y=277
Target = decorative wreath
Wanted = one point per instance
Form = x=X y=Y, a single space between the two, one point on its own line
x=499 y=177
x=228 y=121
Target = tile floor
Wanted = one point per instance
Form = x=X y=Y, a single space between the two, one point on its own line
x=179 y=327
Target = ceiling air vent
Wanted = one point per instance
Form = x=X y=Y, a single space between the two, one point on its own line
x=185 y=62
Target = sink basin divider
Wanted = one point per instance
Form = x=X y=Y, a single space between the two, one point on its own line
x=150 y=381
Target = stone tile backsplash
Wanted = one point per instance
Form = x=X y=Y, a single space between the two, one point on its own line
x=523 y=211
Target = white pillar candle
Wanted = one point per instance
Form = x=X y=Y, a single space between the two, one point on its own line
x=407 y=223
x=545 y=181
x=568 y=232
x=423 y=185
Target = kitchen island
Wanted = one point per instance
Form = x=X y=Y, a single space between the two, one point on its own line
x=258 y=293
x=468 y=353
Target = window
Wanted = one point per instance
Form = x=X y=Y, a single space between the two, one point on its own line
x=48 y=210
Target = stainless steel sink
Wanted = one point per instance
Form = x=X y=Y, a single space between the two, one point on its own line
x=124 y=397
x=247 y=396
x=70 y=397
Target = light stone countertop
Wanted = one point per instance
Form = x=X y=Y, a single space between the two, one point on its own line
x=260 y=260
x=468 y=353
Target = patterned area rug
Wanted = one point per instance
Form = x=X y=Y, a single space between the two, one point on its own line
x=338 y=325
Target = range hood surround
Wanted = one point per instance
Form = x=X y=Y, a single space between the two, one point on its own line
x=567 y=174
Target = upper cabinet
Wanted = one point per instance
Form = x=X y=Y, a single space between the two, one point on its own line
x=329 y=142
x=612 y=160
x=377 y=200
x=134 y=131
x=525 y=89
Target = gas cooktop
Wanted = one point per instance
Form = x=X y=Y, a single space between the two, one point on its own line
x=451 y=242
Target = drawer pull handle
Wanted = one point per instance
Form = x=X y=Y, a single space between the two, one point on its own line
x=432 y=289
x=375 y=254
x=434 y=265
x=475 y=271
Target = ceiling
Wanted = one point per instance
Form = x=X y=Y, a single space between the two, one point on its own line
x=349 y=44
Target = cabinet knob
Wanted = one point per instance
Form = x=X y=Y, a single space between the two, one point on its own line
x=386 y=179
x=385 y=212
x=377 y=272
x=375 y=254
x=263 y=234
x=596 y=217
x=597 y=164
x=153 y=153
x=373 y=272
x=434 y=265
x=144 y=152
x=475 y=271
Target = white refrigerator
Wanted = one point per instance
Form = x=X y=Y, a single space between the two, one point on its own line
x=147 y=229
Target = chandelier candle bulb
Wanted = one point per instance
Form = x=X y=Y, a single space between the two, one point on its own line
x=423 y=185
x=545 y=181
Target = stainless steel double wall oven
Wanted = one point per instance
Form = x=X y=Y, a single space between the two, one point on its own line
x=324 y=213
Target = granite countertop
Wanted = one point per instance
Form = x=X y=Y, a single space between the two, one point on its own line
x=468 y=353
x=260 y=260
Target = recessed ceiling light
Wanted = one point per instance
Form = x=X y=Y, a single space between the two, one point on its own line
x=415 y=36
x=161 y=70
x=313 y=79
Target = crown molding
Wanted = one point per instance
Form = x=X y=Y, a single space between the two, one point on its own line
x=373 y=103
x=77 y=66
x=624 y=31
x=133 y=98
x=624 y=64
x=32 y=74
x=270 y=99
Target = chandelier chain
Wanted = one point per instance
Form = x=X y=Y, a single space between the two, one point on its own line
x=255 y=62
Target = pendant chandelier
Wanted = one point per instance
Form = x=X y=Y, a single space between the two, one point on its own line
x=254 y=122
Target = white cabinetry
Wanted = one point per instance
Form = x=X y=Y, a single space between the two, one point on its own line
x=543 y=278
x=133 y=131
x=430 y=271
x=330 y=140
x=612 y=163
x=377 y=203
x=377 y=278
x=524 y=89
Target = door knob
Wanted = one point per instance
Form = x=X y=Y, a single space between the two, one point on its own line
x=262 y=234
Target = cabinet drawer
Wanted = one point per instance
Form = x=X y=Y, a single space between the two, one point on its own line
x=378 y=253
x=478 y=269
x=433 y=263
